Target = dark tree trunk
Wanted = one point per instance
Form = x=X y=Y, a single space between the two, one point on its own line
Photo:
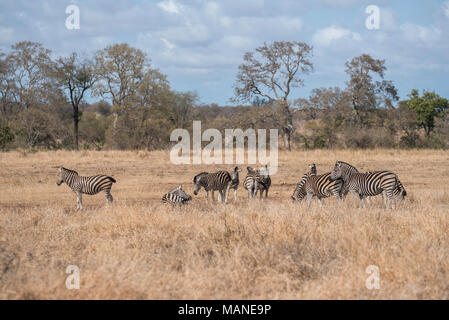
x=76 y=120
x=288 y=125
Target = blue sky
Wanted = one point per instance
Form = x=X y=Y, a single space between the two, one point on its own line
x=199 y=43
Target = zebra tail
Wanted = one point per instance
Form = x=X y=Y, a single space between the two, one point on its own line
x=112 y=179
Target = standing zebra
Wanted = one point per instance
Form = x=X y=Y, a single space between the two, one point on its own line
x=399 y=192
x=300 y=192
x=257 y=180
x=266 y=181
x=320 y=186
x=87 y=185
x=369 y=183
x=176 y=196
x=220 y=181
x=235 y=180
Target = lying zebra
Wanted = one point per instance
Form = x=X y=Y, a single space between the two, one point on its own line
x=320 y=186
x=370 y=183
x=257 y=180
x=87 y=185
x=176 y=196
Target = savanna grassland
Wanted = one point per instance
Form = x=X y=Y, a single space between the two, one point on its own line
x=142 y=249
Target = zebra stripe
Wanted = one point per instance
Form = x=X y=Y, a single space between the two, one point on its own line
x=86 y=185
x=257 y=180
x=235 y=180
x=300 y=192
x=320 y=186
x=369 y=184
x=176 y=196
x=219 y=181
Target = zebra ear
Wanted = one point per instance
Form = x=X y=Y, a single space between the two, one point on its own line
x=249 y=169
x=180 y=187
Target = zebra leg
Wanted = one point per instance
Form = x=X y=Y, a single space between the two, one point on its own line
x=213 y=197
x=235 y=194
x=261 y=194
x=363 y=201
x=353 y=196
x=79 y=200
x=220 y=195
x=109 y=197
x=309 y=199
x=390 y=196
x=227 y=193
x=320 y=202
x=256 y=187
x=266 y=193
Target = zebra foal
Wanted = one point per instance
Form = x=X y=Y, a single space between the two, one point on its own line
x=85 y=185
x=219 y=181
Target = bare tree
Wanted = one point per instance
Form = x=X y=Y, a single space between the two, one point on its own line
x=271 y=72
x=367 y=94
x=76 y=76
x=29 y=62
x=121 y=69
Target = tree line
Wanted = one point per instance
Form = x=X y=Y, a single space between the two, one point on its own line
x=43 y=102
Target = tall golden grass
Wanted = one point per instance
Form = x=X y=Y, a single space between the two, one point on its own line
x=142 y=249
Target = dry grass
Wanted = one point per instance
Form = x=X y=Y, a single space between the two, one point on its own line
x=140 y=248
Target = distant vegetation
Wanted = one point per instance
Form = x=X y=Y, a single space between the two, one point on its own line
x=43 y=105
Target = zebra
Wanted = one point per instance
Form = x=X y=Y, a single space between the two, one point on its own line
x=235 y=180
x=399 y=192
x=320 y=186
x=87 y=185
x=220 y=181
x=370 y=183
x=299 y=191
x=256 y=180
x=266 y=181
x=176 y=196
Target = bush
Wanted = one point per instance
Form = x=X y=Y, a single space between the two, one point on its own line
x=6 y=137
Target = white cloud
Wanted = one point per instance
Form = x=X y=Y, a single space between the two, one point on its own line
x=168 y=44
x=170 y=6
x=325 y=37
x=446 y=8
x=413 y=33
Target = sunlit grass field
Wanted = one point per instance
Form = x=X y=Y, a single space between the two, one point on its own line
x=141 y=249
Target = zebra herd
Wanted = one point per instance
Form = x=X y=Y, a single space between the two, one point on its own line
x=343 y=179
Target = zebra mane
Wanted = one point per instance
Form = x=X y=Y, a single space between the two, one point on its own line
x=199 y=176
x=348 y=165
x=69 y=171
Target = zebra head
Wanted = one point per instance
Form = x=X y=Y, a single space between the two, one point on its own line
x=342 y=170
x=181 y=193
x=197 y=181
x=235 y=173
x=251 y=170
x=63 y=173
x=312 y=168
x=264 y=171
